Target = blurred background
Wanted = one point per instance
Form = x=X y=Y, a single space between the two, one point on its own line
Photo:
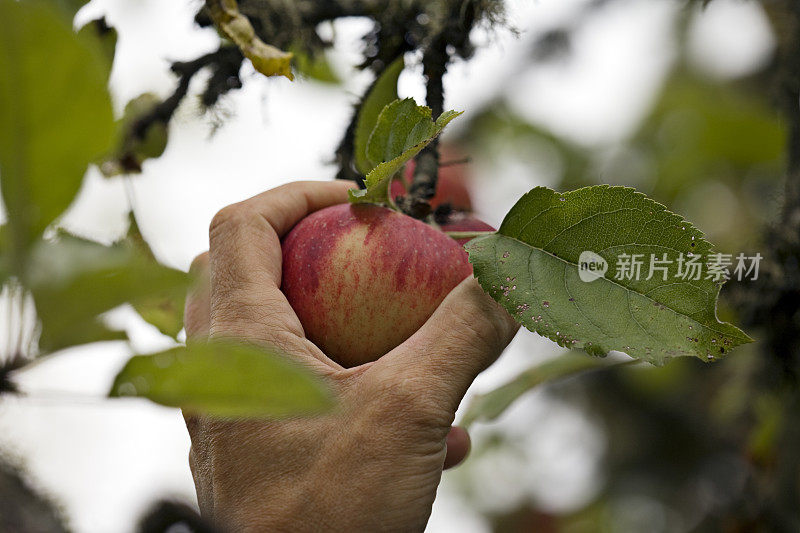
x=671 y=98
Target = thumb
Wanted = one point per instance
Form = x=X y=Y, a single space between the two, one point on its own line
x=466 y=334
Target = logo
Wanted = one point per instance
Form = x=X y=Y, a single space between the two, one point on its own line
x=591 y=266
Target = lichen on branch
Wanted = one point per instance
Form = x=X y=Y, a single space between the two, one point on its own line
x=266 y=58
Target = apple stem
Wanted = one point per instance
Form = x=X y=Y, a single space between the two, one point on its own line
x=468 y=234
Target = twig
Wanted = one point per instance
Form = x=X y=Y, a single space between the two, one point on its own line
x=225 y=61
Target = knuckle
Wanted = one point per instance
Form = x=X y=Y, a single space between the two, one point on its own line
x=199 y=263
x=230 y=216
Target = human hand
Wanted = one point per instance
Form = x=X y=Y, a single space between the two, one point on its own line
x=375 y=462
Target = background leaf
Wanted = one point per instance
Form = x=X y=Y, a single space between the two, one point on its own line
x=382 y=93
x=402 y=131
x=55 y=116
x=164 y=311
x=99 y=34
x=530 y=266
x=70 y=7
x=492 y=404
x=224 y=379
x=314 y=66
x=73 y=281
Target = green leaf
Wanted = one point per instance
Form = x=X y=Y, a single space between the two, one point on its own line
x=492 y=404
x=98 y=33
x=701 y=128
x=135 y=148
x=164 y=311
x=224 y=379
x=381 y=94
x=73 y=281
x=5 y=266
x=314 y=66
x=70 y=7
x=55 y=116
x=402 y=131
x=530 y=266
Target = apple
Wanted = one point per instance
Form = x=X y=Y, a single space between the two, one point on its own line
x=363 y=278
x=451 y=186
x=460 y=221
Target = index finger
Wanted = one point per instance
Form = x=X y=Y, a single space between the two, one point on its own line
x=245 y=260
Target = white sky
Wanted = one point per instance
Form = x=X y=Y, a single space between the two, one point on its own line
x=105 y=461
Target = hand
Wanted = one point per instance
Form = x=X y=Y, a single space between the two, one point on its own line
x=373 y=464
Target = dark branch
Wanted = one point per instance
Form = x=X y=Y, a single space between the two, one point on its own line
x=7 y=385
x=224 y=64
x=345 y=152
x=773 y=302
x=454 y=37
x=387 y=47
x=426 y=172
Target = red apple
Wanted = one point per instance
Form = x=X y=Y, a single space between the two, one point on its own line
x=458 y=221
x=364 y=278
x=451 y=186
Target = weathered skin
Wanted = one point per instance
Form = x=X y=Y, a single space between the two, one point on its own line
x=363 y=278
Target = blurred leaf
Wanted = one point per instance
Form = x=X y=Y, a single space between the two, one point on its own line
x=134 y=148
x=226 y=380
x=165 y=311
x=5 y=266
x=402 y=131
x=497 y=126
x=530 y=266
x=99 y=33
x=73 y=281
x=765 y=434
x=701 y=130
x=382 y=93
x=314 y=66
x=266 y=59
x=70 y=7
x=55 y=116
x=489 y=406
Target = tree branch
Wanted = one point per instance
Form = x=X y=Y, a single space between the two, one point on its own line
x=772 y=303
x=225 y=64
x=454 y=36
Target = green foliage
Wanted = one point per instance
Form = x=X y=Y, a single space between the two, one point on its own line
x=714 y=131
x=314 y=65
x=97 y=31
x=73 y=281
x=402 y=131
x=70 y=7
x=530 y=266
x=165 y=310
x=55 y=118
x=489 y=406
x=382 y=93
x=55 y=115
x=135 y=149
x=224 y=379
x=497 y=129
